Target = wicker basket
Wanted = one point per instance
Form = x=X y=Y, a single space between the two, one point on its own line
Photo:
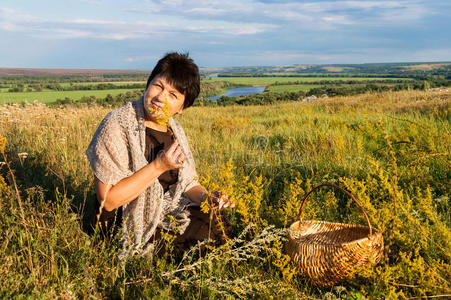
x=328 y=253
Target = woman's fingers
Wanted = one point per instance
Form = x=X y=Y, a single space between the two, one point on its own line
x=230 y=203
x=172 y=148
x=180 y=158
x=176 y=152
x=173 y=157
x=223 y=201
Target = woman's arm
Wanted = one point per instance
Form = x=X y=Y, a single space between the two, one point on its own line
x=131 y=187
x=197 y=194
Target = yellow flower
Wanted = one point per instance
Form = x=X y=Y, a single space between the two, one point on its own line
x=2 y=143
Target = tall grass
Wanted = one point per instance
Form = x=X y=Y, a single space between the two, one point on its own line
x=391 y=150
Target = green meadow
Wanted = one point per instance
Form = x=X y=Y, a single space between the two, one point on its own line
x=67 y=84
x=52 y=96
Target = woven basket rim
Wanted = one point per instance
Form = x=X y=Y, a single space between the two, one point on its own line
x=376 y=232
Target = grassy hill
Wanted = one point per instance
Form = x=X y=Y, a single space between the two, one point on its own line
x=391 y=150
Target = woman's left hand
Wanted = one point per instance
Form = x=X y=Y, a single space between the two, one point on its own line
x=221 y=200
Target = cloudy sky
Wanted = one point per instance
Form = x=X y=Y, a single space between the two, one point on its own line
x=120 y=34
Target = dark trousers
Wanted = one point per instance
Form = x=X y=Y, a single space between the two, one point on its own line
x=213 y=226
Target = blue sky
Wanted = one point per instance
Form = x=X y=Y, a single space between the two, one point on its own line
x=119 y=34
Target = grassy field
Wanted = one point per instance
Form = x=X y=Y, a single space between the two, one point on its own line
x=271 y=80
x=391 y=150
x=52 y=96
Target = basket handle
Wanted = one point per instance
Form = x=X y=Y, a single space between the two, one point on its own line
x=344 y=191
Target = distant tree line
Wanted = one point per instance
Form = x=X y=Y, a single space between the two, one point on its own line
x=74 y=87
x=339 y=81
x=312 y=75
x=360 y=70
x=8 y=80
x=108 y=100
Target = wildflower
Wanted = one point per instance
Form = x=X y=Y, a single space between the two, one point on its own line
x=2 y=143
x=163 y=118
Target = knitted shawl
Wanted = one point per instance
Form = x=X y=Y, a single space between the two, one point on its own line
x=116 y=151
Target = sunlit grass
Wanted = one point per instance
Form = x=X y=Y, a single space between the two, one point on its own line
x=391 y=150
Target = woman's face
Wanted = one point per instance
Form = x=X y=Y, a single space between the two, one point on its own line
x=162 y=100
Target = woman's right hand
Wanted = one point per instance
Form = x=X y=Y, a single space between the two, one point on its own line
x=172 y=158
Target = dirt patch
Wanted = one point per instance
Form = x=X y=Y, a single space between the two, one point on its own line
x=425 y=67
x=336 y=69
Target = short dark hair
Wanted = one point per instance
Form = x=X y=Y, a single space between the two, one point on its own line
x=181 y=72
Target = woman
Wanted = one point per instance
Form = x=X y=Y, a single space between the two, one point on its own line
x=144 y=170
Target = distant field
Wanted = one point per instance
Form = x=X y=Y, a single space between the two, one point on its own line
x=270 y=80
x=292 y=88
x=337 y=69
x=52 y=96
x=66 y=84
x=425 y=67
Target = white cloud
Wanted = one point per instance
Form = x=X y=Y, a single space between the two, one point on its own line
x=94 y=22
x=215 y=43
x=119 y=30
x=11 y=20
x=240 y=31
x=92 y=1
x=146 y=58
x=371 y=4
x=173 y=2
x=310 y=15
x=209 y=11
x=337 y=19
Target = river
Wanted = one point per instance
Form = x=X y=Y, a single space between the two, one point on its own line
x=241 y=91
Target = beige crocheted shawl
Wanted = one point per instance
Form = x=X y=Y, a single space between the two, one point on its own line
x=117 y=151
